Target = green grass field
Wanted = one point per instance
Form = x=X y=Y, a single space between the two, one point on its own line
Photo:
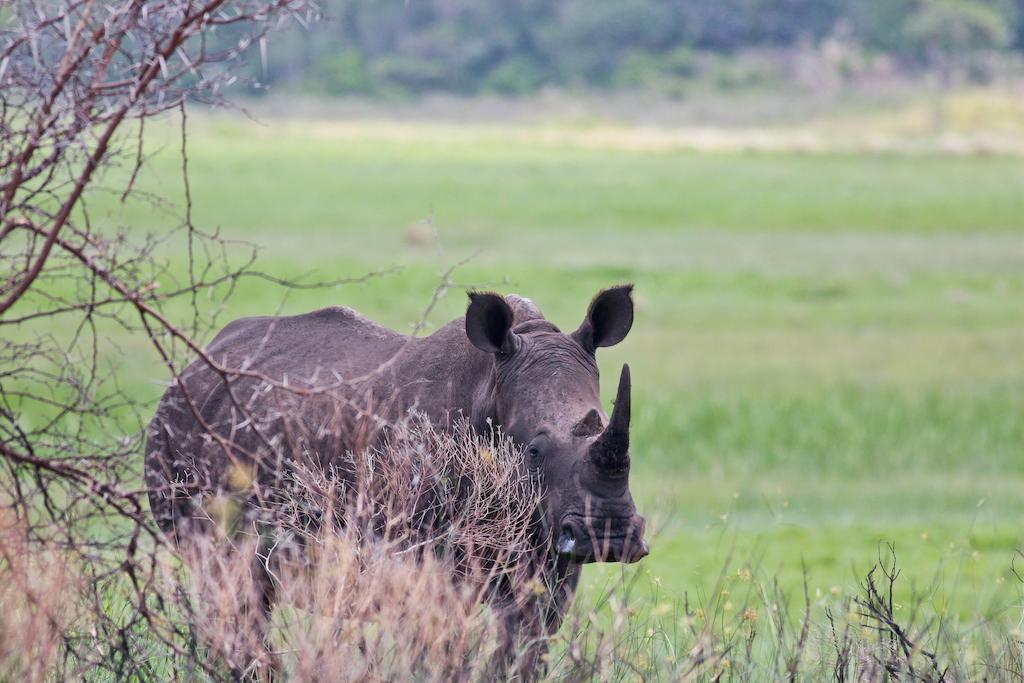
x=828 y=352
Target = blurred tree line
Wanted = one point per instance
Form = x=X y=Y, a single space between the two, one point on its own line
x=382 y=47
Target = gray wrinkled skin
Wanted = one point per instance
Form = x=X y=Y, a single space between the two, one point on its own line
x=503 y=365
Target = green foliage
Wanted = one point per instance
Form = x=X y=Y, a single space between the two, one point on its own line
x=743 y=73
x=595 y=38
x=515 y=76
x=666 y=71
x=408 y=74
x=342 y=74
x=957 y=26
x=467 y=46
x=881 y=25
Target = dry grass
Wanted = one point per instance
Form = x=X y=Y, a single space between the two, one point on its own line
x=382 y=568
x=385 y=569
x=38 y=602
x=980 y=122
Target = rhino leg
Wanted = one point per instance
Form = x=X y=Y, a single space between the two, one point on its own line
x=531 y=619
x=521 y=648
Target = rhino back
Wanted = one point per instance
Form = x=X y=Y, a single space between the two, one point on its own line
x=205 y=422
x=304 y=347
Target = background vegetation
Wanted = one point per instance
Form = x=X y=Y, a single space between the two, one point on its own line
x=392 y=47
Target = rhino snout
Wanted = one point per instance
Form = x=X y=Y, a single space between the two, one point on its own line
x=595 y=539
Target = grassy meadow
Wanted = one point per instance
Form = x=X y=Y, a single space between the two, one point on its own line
x=828 y=351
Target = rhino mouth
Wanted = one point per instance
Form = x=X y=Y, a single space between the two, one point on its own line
x=580 y=543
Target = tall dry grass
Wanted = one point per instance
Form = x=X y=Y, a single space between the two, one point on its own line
x=38 y=605
x=401 y=562
x=387 y=567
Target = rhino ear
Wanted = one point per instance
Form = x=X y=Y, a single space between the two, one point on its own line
x=489 y=323
x=608 y=320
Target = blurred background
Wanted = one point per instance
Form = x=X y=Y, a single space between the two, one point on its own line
x=821 y=204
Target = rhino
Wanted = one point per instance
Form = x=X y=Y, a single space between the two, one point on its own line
x=503 y=366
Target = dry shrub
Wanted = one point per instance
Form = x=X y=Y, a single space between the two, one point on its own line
x=38 y=595
x=381 y=567
x=223 y=606
x=388 y=617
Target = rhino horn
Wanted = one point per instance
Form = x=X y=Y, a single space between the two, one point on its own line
x=610 y=452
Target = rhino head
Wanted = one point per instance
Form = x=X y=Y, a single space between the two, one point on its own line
x=545 y=394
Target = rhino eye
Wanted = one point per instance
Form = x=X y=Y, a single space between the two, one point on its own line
x=536 y=447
